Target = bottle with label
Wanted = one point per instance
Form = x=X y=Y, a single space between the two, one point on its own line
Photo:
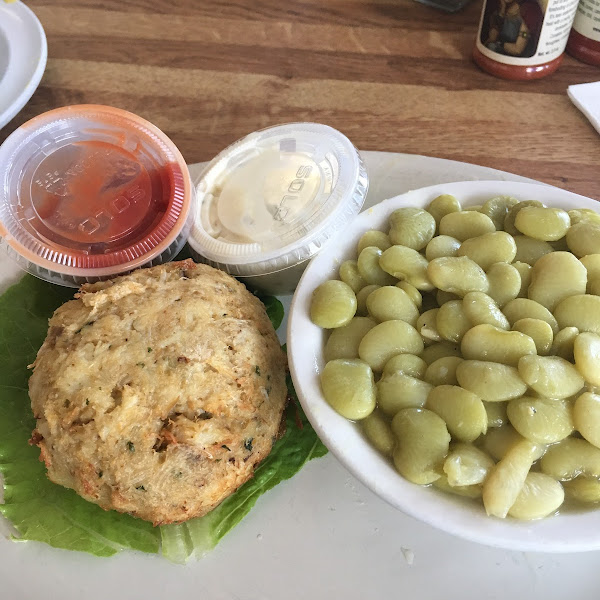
x=523 y=39
x=584 y=41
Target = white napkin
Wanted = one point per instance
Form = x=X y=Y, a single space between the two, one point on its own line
x=586 y=97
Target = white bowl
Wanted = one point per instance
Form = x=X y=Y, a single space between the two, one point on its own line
x=568 y=532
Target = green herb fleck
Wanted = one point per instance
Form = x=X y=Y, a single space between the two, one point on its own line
x=130 y=446
x=87 y=401
x=141 y=488
x=179 y=474
x=226 y=447
x=141 y=364
x=149 y=349
x=248 y=444
x=100 y=473
x=257 y=369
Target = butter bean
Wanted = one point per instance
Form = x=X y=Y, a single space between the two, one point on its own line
x=480 y=309
x=350 y=275
x=458 y=275
x=441 y=206
x=507 y=477
x=388 y=339
x=491 y=381
x=378 y=432
x=406 y=264
x=422 y=443
x=343 y=341
x=541 y=420
x=490 y=248
x=452 y=321
x=582 y=311
x=523 y=308
x=556 y=276
x=488 y=343
x=509 y=221
x=397 y=391
x=586 y=416
x=586 y=352
x=462 y=411
x=525 y=272
x=409 y=364
x=390 y=303
x=539 y=331
x=497 y=208
x=529 y=250
x=443 y=371
x=592 y=264
x=466 y=224
x=505 y=283
x=550 y=376
x=571 y=457
x=375 y=238
x=584 y=238
x=333 y=304
x=442 y=245
x=540 y=496
x=411 y=227
x=467 y=465
x=541 y=223
x=369 y=269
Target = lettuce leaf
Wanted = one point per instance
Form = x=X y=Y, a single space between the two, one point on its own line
x=289 y=454
x=43 y=511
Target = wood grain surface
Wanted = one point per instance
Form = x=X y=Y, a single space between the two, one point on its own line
x=392 y=75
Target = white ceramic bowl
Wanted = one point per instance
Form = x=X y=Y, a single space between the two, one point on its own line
x=568 y=532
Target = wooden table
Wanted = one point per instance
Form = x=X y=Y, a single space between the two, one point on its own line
x=391 y=74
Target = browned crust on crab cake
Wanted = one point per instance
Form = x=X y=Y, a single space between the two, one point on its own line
x=158 y=393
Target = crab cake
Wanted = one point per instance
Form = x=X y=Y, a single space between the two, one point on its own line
x=158 y=393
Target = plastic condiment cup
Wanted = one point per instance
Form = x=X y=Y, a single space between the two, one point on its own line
x=272 y=200
x=88 y=192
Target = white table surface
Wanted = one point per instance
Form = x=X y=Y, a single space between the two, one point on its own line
x=320 y=535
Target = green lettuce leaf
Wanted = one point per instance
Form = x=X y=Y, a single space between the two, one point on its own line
x=46 y=512
x=289 y=454
x=274 y=309
x=39 y=509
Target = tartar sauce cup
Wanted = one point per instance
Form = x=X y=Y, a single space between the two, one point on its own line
x=89 y=192
x=270 y=201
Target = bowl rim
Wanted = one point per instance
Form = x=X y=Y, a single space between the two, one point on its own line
x=455 y=515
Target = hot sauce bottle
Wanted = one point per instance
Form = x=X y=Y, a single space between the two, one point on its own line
x=584 y=41
x=523 y=39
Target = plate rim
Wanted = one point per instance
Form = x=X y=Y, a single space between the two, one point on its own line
x=16 y=103
x=537 y=536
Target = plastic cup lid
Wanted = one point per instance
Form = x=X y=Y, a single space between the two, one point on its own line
x=91 y=190
x=272 y=199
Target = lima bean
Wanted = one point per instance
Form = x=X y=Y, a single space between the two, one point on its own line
x=388 y=339
x=333 y=304
x=422 y=444
x=349 y=387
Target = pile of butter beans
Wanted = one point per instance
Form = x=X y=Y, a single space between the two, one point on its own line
x=466 y=343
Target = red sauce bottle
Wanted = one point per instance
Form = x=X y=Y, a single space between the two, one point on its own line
x=584 y=41
x=523 y=39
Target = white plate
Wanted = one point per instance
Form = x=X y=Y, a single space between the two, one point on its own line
x=23 y=53
x=568 y=532
x=322 y=534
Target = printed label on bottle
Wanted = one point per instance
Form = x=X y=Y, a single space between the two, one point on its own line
x=526 y=32
x=587 y=19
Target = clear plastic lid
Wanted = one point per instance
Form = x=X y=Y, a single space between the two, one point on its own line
x=274 y=198
x=91 y=191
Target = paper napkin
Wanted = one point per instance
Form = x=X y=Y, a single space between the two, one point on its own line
x=586 y=97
